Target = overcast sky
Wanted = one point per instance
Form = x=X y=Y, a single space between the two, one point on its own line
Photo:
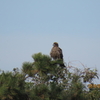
x=31 y=26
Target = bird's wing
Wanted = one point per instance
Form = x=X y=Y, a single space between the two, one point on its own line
x=61 y=54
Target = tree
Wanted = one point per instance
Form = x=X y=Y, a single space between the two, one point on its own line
x=12 y=86
x=59 y=83
x=45 y=79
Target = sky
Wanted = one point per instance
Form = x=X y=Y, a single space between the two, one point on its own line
x=31 y=26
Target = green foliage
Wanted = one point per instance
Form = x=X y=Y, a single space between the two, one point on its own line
x=12 y=86
x=28 y=68
x=44 y=79
x=43 y=63
x=56 y=91
x=39 y=92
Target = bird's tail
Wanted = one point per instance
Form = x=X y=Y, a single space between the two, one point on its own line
x=62 y=65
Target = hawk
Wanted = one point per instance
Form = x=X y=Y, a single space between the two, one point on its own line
x=56 y=52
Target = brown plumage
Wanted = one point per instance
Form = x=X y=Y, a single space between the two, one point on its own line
x=56 y=52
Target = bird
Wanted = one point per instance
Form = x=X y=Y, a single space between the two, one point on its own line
x=56 y=53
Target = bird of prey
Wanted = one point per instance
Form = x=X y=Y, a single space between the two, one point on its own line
x=56 y=52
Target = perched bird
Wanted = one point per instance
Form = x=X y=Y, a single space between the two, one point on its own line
x=56 y=52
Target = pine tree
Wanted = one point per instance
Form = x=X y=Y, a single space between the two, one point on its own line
x=12 y=86
x=59 y=83
x=45 y=79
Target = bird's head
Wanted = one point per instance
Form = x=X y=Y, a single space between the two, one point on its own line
x=55 y=44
